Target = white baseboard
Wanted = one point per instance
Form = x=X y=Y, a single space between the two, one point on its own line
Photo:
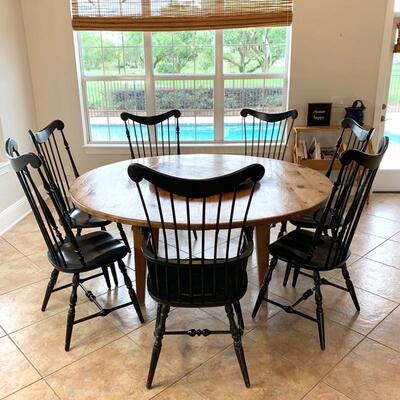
x=13 y=214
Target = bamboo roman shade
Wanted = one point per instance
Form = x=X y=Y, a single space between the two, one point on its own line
x=178 y=15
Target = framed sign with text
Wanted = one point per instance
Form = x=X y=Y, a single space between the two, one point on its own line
x=319 y=114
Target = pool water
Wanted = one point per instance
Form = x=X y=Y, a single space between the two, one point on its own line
x=188 y=132
x=393 y=136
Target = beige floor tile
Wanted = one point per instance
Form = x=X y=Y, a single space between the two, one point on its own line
x=25 y=225
x=38 y=391
x=2 y=332
x=21 y=307
x=41 y=261
x=351 y=260
x=387 y=253
x=382 y=227
x=272 y=376
x=324 y=392
x=396 y=237
x=179 y=391
x=126 y=318
x=15 y=370
x=384 y=210
x=363 y=243
x=339 y=307
x=369 y=372
x=18 y=273
x=184 y=353
x=43 y=342
x=8 y=252
x=376 y=278
x=26 y=242
x=297 y=340
x=247 y=305
x=387 y=332
x=116 y=371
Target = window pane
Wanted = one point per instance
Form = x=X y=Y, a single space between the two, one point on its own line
x=255 y=50
x=261 y=94
x=195 y=99
x=106 y=100
x=112 y=53
x=183 y=52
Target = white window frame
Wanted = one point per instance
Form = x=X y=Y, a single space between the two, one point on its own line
x=150 y=78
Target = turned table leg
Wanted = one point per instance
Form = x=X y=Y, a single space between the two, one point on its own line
x=262 y=242
x=140 y=262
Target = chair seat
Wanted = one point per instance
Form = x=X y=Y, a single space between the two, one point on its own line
x=80 y=219
x=296 y=247
x=310 y=221
x=98 y=249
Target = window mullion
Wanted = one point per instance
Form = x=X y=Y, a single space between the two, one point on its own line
x=149 y=75
x=218 y=89
x=285 y=94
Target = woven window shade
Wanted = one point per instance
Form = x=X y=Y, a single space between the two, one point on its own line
x=178 y=15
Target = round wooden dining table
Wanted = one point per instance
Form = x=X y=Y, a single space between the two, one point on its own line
x=287 y=190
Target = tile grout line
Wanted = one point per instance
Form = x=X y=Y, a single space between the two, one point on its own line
x=333 y=367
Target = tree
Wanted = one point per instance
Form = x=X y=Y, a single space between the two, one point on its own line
x=179 y=52
x=253 y=49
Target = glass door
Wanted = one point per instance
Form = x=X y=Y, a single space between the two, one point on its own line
x=388 y=178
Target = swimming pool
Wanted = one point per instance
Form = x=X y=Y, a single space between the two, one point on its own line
x=188 y=132
x=393 y=136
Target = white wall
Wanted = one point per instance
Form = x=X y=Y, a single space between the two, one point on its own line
x=17 y=111
x=336 y=48
x=335 y=52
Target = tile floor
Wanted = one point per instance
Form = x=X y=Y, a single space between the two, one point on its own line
x=109 y=357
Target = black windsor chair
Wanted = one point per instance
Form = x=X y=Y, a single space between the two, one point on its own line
x=155 y=135
x=316 y=251
x=267 y=134
x=353 y=136
x=67 y=252
x=49 y=143
x=211 y=277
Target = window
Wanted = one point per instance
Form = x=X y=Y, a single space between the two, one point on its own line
x=208 y=75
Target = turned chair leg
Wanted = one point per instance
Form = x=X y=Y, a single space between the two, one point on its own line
x=350 y=287
x=114 y=274
x=296 y=274
x=78 y=231
x=238 y=310
x=106 y=276
x=159 y=331
x=287 y=274
x=319 y=310
x=237 y=344
x=283 y=229
x=123 y=236
x=264 y=286
x=50 y=287
x=71 y=311
x=132 y=294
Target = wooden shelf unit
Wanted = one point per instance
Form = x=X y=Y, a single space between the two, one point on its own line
x=320 y=165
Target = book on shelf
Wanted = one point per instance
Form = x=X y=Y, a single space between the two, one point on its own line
x=315 y=151
x=302 y=150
